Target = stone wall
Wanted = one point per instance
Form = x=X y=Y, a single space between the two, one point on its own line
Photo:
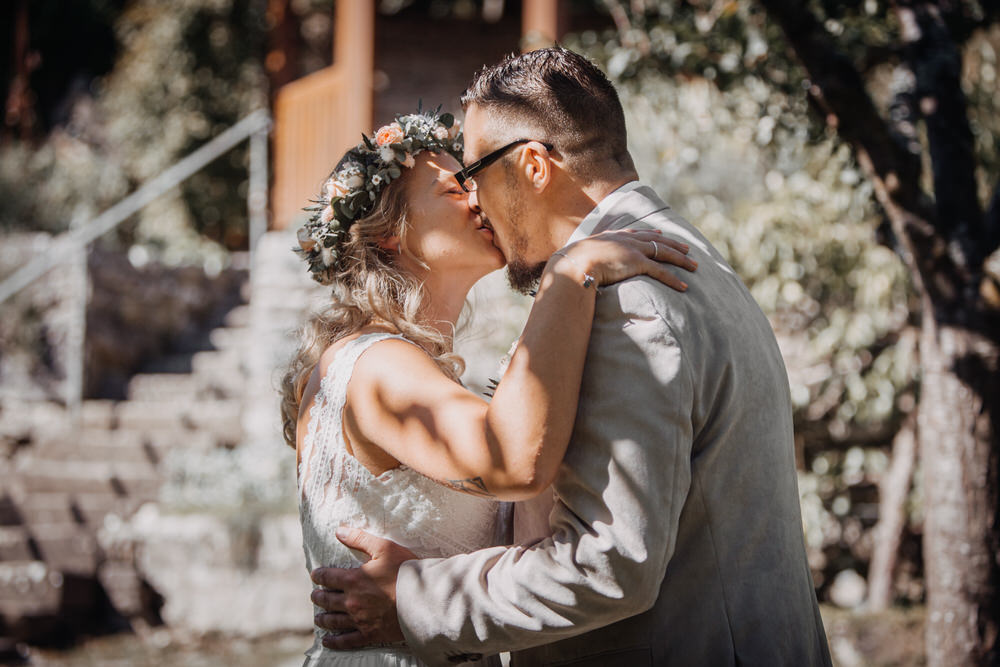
x=134 y=314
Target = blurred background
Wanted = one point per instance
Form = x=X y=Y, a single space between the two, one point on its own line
x=154 y=160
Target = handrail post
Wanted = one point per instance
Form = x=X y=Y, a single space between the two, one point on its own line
x=76 y=334
x=257 y=190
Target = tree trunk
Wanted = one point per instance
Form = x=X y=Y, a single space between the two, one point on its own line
x=943 y=246
x=958 y=448
x=893 y=491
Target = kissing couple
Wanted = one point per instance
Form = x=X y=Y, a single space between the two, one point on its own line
x=643 y=426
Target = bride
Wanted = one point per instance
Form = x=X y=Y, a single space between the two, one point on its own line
x=386 y=437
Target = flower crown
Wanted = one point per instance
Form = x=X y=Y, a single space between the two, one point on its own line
x=352 y=190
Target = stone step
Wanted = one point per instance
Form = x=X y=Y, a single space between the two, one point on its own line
x=28 y=588
x=217 y=364
x=125 y=445
x=238 y=316
x=90 y=509
x=162 y=386
x=229 y=338
x=139 y=480
x=10 y=515
x=52 y=507
x=124 y=587
x=161 y=440
x=16 y=544
x=219 y=417
x=137 y=451
x=67 y=547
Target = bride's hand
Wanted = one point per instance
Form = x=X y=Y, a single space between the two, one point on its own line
x=610 y=257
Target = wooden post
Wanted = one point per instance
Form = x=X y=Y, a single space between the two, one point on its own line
x=354 y=55
x=543 y=23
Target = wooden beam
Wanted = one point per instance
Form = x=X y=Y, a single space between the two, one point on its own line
x=543 y=23
x=354 y=56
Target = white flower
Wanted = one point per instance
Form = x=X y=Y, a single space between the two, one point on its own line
x=408 y=161
x=386 y=154
x=376 y=179
x=354 y=181
x=440 y=133
x=457 y=147
x=327 y=255
x=350 y=169
x=328 y=189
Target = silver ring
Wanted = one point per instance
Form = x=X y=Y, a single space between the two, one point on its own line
x=656 y=250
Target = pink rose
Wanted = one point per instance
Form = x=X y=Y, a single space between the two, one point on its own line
x=389 y=134
x=334 y=188
x=440 y=133
x=454 y=129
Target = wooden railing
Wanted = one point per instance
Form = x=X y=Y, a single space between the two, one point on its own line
x=318 y=117
x=309 y=136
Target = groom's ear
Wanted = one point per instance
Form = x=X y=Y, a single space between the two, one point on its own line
x=537 y=165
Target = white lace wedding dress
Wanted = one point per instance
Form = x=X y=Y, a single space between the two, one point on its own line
x=400 y=504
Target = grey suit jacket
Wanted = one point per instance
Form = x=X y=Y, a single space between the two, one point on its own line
x=676 y=534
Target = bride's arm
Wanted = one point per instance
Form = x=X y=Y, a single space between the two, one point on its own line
x=510 y=448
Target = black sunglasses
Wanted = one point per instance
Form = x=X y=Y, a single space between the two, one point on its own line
x=465 y=176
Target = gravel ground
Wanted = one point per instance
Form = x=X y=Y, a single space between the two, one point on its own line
x=890 y=639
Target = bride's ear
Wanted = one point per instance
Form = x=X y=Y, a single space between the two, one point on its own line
x=390 y=244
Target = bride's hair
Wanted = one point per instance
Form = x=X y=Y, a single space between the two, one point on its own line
x=368 y=288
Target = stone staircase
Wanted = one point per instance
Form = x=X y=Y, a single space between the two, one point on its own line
x=66 y=489
x=178 y=503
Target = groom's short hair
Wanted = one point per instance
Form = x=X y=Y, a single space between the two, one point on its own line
x=561 y=94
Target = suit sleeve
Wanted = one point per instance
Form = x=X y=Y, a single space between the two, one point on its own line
x=620 y=492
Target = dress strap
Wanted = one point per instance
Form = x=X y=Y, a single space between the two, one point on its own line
x=339 y=372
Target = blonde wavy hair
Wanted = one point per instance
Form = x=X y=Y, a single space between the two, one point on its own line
x=369 y=288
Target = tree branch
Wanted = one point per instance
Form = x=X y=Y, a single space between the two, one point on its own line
x=837 y=89
x=936 y=64
x=893 y=490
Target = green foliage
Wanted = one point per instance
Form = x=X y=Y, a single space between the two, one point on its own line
x=796 y=221
x=188 y=70
x=720 y=124
x=185 y=72
x=789 y=209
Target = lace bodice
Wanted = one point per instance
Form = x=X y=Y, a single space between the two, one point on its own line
x=400 y=504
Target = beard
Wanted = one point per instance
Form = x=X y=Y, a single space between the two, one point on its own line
x=523 y=276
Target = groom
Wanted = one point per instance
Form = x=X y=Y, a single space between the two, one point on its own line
x=676 y=536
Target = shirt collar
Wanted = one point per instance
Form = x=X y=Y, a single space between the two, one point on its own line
x=589 y=223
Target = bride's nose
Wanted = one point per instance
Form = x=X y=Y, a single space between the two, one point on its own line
x=473 y=202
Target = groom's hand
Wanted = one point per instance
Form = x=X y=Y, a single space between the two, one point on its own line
x=361 y=602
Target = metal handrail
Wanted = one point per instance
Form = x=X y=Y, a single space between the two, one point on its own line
x=70 y=247
x=65 y=245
